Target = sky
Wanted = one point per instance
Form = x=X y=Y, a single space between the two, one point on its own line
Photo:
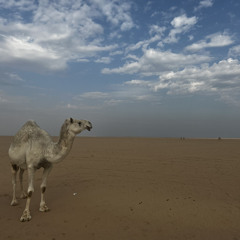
x=158 y=68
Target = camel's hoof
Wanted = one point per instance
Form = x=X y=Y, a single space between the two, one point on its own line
x=26 y=216
x=14 y=202
x=44 y=208
x=23 y=195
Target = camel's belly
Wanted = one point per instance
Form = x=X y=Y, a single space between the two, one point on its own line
x=23 y=166
x=17 y=156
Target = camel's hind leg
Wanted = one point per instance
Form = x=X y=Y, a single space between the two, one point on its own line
x=14 y=176
x=23 y=194
x=26 y=216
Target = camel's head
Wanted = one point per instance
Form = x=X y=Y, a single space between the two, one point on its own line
x=76 y=126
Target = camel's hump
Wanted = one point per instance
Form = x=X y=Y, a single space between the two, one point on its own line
x=30 y=131
x=31 y=123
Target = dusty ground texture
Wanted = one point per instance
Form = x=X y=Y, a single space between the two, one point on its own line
x=132 y=188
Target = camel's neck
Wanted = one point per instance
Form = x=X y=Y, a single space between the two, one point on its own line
x=60 y=149
x=65 y=141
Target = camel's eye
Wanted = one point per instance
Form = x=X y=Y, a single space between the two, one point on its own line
x=79 y=123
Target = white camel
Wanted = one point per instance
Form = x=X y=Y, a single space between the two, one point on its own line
x=33 y=148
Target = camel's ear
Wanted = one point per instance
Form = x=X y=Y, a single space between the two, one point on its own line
x=71 y=120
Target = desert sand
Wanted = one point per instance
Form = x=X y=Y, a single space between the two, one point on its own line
x=132 y=188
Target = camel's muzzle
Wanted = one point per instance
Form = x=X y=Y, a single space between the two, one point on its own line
x=89 y=126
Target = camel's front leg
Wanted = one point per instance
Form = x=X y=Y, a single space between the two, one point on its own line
x=43 y=206
x=26 y=213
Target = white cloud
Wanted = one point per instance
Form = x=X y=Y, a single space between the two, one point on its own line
x=213 y=40
x=90 y=100
x=155 y=62
x=234 y=51
x=136 y=46
x=14 y=49
x=220 y=79
x=156 y=33
x=105 y=60
x=181 y=24
x=116 y=53
x=183 y=21
x=132 y=56
x=155 y=29
x=58 y=33
x=8 y=78
x=91 y=49
x=129 y=92
x=116 y=13
x=204 y=4
x=142 y=83
x=93 y=95
x=24 y=5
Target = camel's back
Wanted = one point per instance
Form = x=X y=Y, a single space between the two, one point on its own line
x=28 y=136
x=30 y=132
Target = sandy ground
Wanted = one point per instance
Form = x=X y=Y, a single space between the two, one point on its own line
x=132 y=188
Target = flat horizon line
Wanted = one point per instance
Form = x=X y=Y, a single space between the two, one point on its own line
x=180 y=138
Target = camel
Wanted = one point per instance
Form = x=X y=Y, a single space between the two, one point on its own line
x=32 y=148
